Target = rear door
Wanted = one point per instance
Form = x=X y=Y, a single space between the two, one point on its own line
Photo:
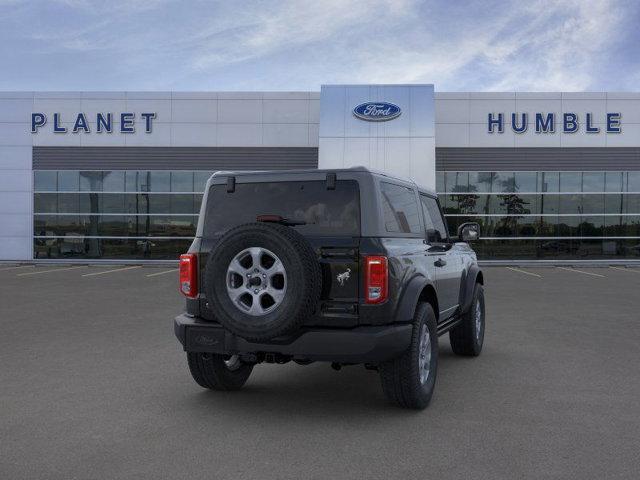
x=441 y=257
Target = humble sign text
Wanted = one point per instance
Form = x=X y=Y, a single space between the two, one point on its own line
x=551 y=122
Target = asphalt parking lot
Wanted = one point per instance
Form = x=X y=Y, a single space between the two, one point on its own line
x=93 y=384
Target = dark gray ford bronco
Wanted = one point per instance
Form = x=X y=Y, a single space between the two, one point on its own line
x=346 y=266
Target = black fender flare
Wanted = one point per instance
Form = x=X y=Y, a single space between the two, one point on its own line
x=467 y=285
x=409 y=299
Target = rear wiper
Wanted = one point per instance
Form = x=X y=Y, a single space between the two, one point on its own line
x=280 y=220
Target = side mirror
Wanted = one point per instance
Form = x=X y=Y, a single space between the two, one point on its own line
x=468 y=232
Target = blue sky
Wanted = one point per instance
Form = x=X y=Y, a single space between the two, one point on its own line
x=535 y=45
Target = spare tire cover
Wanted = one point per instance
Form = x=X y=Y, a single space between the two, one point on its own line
x=262 y=280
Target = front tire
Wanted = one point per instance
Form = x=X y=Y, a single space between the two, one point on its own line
x=467 y=337
x=218 y=372
x=409 y=380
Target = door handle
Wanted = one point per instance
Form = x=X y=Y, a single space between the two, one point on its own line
x=440 y=262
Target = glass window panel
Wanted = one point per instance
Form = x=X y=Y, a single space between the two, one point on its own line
x=456 y=182
x=480 y=181
x=451 y=203
x=613 y=203
x=631 y=203
x=526 y=182
x=135 y=203
x=549 y=182
x=181 y=203
x=518 y=204
x=91 y=181
x=159 y=182
x=628 y=248
x=591 y=226
x=435 y=225
x=593 y=181
x=172 y=226
x=182 y=181
x=440 y=182
x=156 y=203
x=113 y=226
x=45 y=225
x=588 y=249
x=200 y=180
x=45 y=203
x=112 y=203
x=569 y=226
x=571 y=181
x=470 y=203
x=499 y=204
x=197 y=203
x=135 y=180
x=633 y=182
x=592 y=203
x=614 y=226
x=527 y=226
x=549 y=204
x=113 y=181
x=571 y=203
x=504 y=226
x=68 y=181
x=400 y=209
x=547 y=249
x=548 y=226
x=90 y=203
x=613 y=182
x=45 y=181
x=68 y=203
x=632 y=226
x=504 y=182
x=69 y=225
x=168 y=249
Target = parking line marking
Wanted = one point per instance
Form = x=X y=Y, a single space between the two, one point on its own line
x=111 y=271
x=626 y=269
x=49 y=271
x=581 y=271
x=162 y=273
x=522 y=271
x=15 y=268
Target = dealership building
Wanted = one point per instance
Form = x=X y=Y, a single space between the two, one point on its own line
x=120 y=175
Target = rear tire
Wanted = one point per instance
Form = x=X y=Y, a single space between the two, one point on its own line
x=218 y=372
x=467 y=337
x=403 y=379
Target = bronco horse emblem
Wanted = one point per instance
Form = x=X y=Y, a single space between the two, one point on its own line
x=343 y=277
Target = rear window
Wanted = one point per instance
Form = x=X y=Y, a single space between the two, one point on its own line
x=324 y=212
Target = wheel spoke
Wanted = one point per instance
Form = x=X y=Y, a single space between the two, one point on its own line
x=256 y=308
x=256 y=255
x=274 y=293
x=276 y=268
x=236 y=267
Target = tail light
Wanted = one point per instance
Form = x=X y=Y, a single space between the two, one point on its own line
x=376 y=274
x=189 y=275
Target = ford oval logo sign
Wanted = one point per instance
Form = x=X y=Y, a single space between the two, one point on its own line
x=377 y=111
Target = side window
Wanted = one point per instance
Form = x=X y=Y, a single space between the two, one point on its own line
x=400 y=209
x=435 y=226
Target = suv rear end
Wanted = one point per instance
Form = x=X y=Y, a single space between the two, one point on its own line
x=318 y=265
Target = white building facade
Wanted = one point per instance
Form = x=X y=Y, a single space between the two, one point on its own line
x=119 y=175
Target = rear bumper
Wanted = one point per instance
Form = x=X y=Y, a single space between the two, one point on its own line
x=355 y=345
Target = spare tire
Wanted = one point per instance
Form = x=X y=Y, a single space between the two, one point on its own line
x=262 y=280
